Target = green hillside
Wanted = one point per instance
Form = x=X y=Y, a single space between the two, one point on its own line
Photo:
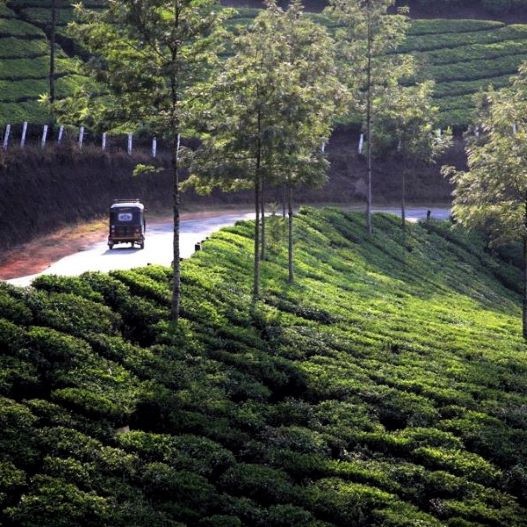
x=463 y=56
x=384 y=388
x=24 y=69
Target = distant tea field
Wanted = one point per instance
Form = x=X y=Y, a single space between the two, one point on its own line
x=462 y=56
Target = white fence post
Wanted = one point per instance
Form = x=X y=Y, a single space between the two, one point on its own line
x=514 y=129
x=178 y=145
x=323 y=147
x=24 y=135
x=130 y=143
x=61 y=134
x=154 y=147
x=81 y=136
x=44 y=135
x=103 y=144
x=6 y=136
x=361 y=143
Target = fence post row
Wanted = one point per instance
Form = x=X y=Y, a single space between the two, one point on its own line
x=44 y=136
x=24 y=134
x=6 y=136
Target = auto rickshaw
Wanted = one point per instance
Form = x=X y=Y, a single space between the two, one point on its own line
x=127 y=223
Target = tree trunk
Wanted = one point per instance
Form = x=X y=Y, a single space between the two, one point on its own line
x=284 y=200
x=256 y=272
x=524 y=325
x=290 y=234
x=403 y=197
x=524 y=314
x=256 y=275
x=52 y=33
x=262 y=217
x=176 y=283
x=369 y=198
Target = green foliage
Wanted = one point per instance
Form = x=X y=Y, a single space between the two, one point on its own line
x=383 y=388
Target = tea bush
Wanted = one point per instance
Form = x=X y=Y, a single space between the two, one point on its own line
x=383 y=388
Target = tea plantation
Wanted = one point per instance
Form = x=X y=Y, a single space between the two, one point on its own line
x=462 y=56
x=387 y=387
x=24 y=70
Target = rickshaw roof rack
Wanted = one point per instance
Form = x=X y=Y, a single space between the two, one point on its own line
x=127 y=200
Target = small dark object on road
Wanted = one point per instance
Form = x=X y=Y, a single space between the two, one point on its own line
x=428 y=215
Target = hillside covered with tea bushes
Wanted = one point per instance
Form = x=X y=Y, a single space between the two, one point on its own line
x=462 y=56
x=386 y=387
x=24 y=70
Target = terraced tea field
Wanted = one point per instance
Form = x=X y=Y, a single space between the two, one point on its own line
x=24 y=67
x=462 y=56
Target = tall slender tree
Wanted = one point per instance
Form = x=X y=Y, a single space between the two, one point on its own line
x=273 y=109
x=492 y=193
x=366 y=34
x=147 y=54
x=406 y=129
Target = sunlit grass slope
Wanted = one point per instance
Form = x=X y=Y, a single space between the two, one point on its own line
x=387 y=387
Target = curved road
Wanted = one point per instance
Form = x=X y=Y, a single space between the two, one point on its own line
x=158 y=245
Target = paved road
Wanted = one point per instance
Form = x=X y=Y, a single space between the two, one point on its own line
x=158 y=246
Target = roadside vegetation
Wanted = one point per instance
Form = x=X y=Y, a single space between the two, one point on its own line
x=382 y=389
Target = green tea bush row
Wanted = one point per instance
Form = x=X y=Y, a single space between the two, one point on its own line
x=452 y=40
x=15 y=48
x=403 y=408
x=474 y=69
x=11 y=27
x=442 y=26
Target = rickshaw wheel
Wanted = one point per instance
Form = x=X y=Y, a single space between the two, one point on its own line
x=110 y=246
x=142 y=245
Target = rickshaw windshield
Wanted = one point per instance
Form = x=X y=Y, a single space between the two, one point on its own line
x=125 y=216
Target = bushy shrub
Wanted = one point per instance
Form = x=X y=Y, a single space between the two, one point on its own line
x=13 y=308
x=346 y=502
x=267 y=485
x=12 y=338
x=58 y=349
x=143 y=285
x=72 y=314
x=52 y=501
x=188 y=496
x=16 y=437
x=12 y=480
x=461 y=462
x=61 y=441
x=186 y=452
x=67 y=284
x=18 y=377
